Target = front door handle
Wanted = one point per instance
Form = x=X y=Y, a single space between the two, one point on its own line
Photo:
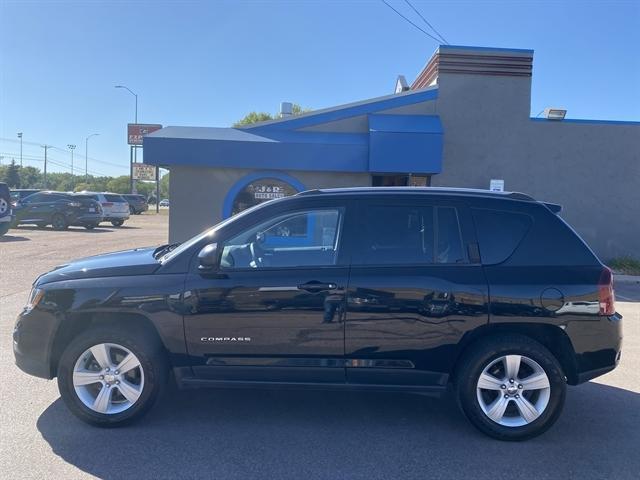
x=317 y=286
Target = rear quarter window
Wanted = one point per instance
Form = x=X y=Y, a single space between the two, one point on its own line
x=531 y=236
x=499 y=233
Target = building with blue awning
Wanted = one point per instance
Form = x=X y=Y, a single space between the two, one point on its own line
x=463 y=122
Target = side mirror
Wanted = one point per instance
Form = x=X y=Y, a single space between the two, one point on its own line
x=208 y=258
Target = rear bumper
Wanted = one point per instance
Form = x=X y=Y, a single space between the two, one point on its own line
x=597 y=345
x=86 y=219
x=115 y=216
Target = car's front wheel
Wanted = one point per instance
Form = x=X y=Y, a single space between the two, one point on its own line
x=510 y=387
x=110 y=377
x=117 y=223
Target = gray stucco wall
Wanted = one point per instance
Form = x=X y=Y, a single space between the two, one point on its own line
x=591 y=169
x=197 y=194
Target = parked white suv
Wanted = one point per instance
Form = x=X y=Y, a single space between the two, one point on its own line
x=114 y=207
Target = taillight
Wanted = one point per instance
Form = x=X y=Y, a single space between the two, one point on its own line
x=107 y=204
x=605 y=291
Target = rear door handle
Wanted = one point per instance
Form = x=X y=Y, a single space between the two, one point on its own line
x=317 y=286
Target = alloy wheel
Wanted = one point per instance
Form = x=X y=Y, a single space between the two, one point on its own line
x=108 y=378
x=513 y=390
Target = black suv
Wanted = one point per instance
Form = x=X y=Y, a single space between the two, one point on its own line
x=58 y=209
x=137 y=203
x=405 y=289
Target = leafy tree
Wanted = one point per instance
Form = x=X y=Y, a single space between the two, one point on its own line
x=11 y=175
x=119 y=184
x=255 y=117
x=30 y=177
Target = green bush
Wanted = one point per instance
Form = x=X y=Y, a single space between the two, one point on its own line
x=626 y=265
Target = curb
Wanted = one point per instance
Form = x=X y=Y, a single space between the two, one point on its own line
x=626 y=278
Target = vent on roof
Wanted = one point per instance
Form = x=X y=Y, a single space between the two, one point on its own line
x=286 y=109
x=401 y=84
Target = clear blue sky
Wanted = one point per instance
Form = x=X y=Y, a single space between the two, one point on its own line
x=207 y=63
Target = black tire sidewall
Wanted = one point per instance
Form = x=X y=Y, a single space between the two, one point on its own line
x=484 y=354
x=151 y=359
x=62 y=225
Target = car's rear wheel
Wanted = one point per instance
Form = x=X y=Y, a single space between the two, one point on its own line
x=117 y=223
x=90 y=226
x=41 y=225
x=59 y=222
x=510 y=387
x=132 y=210
x=111 y=377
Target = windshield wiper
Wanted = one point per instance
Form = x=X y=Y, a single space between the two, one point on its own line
x=164 y=249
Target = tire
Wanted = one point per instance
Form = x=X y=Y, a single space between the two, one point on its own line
x=147 y=380
x=4 y=228
x=132 y=210
x=490 y=357
x=59 y=222
x=117 y=223
x=90 y=226
x=41 y=225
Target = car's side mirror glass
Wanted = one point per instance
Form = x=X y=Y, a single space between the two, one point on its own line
x=208 y=258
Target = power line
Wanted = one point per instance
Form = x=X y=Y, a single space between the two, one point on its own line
x=52 y=161
x=53 y=147
x=426 y=21
x=416 y=26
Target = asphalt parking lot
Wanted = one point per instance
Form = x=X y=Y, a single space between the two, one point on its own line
x=283 y=434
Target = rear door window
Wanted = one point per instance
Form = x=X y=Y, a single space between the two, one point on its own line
x=499 y=233
x=408 y=235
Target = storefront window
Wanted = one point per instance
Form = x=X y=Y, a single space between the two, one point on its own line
x=260 y=191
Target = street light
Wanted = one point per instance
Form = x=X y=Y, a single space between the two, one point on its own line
x=135 y=95
x=20 y=137
x=86 y=156
x=132 y=182
x=72 y=148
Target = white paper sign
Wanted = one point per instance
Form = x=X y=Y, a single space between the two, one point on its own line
x=496 y=185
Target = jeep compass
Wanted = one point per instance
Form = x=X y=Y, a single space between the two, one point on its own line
x=489 y=295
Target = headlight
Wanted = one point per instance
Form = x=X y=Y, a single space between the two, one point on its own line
x=35 y=297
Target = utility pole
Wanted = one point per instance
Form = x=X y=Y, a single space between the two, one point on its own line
x=72 y=148
x=46 y=147
x=20 y=137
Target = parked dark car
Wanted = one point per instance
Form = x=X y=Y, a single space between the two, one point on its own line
x=137 y=203
x=19 y=193
x=395 y=289
x=58 y=209
x=6 y=214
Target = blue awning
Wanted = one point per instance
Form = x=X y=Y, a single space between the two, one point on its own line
x=393 y=144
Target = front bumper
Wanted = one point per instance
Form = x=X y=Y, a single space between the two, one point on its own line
x=32 y=342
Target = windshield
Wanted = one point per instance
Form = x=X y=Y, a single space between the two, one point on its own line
x=183 y=247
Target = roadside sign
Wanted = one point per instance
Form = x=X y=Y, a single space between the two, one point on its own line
x=135 y=131
x=496 y=185
x=144 y=172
